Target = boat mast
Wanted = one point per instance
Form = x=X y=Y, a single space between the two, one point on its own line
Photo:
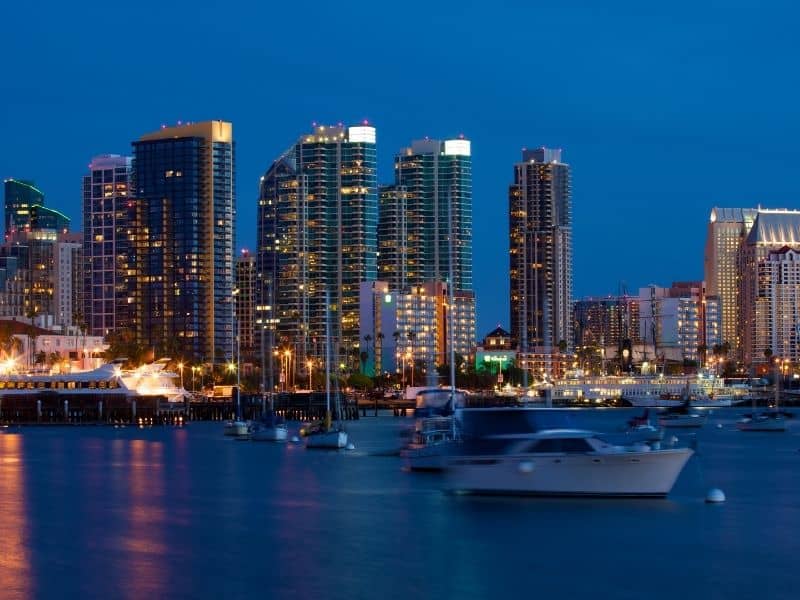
x=327 y=355
x=450 y=302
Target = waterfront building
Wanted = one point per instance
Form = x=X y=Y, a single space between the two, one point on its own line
x=496 y=352
x=540 y=249
x=183 y=240
x=245 y=307
x=727 y=228
x=317 y=234
x=429 y=202
x=768 y=288
x=108 y=223
x=25 y=211
x=412 y=326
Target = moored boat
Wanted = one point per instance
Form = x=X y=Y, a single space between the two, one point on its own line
x=564 y=462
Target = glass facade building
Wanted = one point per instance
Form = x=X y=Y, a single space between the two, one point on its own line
x=183 y=241
x=108 y=221
x=25 y=211
x=318 y=212
x=430 y=201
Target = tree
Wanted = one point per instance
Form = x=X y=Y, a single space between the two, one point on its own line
x=360 y=381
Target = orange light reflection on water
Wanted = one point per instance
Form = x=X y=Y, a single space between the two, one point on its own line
x=143 y=540
x=15 y=556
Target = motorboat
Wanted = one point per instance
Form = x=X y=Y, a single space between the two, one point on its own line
x=564 y=462
x=762 y=421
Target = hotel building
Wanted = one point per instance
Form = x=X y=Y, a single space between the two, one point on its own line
x=727 y=228
x=768 y=288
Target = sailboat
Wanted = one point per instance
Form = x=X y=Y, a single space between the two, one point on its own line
x=237 y=427
x=767 y=420
x=327 y=435
x=682 y=415
x=271 y=427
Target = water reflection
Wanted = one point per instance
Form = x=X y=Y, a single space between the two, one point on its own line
x=142 y=540
x=15 y=559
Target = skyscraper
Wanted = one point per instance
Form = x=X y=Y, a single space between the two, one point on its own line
x=317 y=231
x=108 y=221
x=540 y=219
x=727 y=228
x=430 y=201
x=183 y=240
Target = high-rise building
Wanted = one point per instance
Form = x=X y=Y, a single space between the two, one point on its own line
x=425 y=226
x=317 y=233
x=769 y=279
x=109 y=215
x=540 y=219
x=245 y=306
x=183 y=240
x=25 y=211
x=727 y=228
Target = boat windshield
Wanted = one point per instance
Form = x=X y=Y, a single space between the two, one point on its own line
x=560 y=445
x=481 y=423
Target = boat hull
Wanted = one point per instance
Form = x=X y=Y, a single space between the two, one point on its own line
x=626 y=474
x=237 y=429
x=327 y=440
x=270 y=434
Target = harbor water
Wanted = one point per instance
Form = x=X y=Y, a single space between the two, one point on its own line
x=168 y=512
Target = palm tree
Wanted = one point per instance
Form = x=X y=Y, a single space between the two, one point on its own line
x=379 y=364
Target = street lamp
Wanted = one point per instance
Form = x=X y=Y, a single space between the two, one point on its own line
x=310 y=365
x=194 y=370
x=180 y=368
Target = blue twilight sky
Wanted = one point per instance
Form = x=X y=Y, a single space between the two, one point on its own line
x=663 y=109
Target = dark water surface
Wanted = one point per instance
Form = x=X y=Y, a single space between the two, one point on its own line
x=188 y=513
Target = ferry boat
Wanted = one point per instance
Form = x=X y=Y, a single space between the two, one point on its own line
x=648 y=391
x=106 y=386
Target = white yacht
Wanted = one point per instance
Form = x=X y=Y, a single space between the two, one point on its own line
x=564 y=462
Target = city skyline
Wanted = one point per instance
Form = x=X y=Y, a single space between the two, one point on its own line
x=692 y=100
